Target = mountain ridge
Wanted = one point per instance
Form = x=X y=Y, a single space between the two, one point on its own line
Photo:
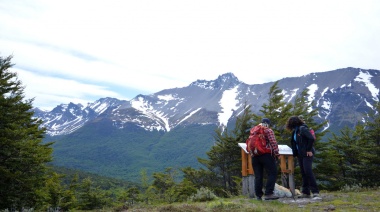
x=166 y=109
x=174 y=127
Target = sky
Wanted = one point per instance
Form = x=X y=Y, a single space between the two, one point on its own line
x=81 y=51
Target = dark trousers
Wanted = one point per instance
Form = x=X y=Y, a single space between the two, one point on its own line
x=268 y=163
x=308 y=180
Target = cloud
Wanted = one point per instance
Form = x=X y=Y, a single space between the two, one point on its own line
x=133 y=47
x=48 y=91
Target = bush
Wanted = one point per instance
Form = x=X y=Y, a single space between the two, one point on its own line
x=202 y=195
x=353 y=187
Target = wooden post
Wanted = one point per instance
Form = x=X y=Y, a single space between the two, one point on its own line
x=283 y=163
x=245 y=181
x=248 y=181
x=243 y=163
x=250 y=167
x=287 y=167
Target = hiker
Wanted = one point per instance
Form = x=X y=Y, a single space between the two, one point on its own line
x=302 y=143
x=265 y=161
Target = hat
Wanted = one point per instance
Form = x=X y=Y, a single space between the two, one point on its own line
x=266 y=121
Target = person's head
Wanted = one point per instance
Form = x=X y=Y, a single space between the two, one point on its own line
x=265 y=122
x=293 y=122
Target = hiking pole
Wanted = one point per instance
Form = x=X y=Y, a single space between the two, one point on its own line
x=290 y=189
x=294 y=198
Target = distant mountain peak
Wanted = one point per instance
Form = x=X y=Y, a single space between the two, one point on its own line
x=227 y=79
x=229 y=76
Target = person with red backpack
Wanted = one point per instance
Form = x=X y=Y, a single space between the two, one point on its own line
x=302 y=143
x=263 y=148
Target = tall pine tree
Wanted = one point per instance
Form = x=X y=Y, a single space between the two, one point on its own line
x=23 y=156
x=371 y=157
x=224 y=158
x=278 y=111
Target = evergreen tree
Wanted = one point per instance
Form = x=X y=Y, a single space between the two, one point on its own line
x=354 y=155
x=70 y=200
x=165 y=184
x=349 y=146
x=91 y=197
x=278 y=111
x=23 y=156
x=203 y=178
x=54 y=191
x=371 y=157
x=224 y=158
x=133 y=195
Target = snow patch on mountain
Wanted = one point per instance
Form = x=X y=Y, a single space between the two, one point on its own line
x=369 y=104
x=366 y=79
x=229 y=103
x=290 y=96
x=188 y=116
x=204 y=84
x=167 y=97
x=312 y=89
x=99 y=107
x=322 y=94
x=149 y=111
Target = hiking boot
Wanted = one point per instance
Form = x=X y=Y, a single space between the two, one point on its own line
x=259 y=198
x=316 y=196
x=270 y=197
x=304 y=196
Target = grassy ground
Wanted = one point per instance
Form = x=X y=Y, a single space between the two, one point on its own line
x=331 y=201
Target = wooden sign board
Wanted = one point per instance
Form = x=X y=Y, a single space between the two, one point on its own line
x=284 y=149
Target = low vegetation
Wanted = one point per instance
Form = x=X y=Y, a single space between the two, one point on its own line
x=366 y=200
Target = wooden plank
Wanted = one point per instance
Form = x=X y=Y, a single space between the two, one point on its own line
x=291 y=164
x=283 y=163
x=250 y=167
x=243 y=163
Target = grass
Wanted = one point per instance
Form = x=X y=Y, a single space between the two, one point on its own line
x=331 y=201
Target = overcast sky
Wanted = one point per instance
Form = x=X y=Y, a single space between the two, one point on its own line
x=80 y=51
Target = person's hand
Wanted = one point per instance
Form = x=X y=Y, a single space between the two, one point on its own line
x=309 y=154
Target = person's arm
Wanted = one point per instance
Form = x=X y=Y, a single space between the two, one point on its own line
x=293 y=145
x=273 y=142
x=305 y=132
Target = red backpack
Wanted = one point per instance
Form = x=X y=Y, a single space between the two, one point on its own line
x=311 y=132
x=257 y=143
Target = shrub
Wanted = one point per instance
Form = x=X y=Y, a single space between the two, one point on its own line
x=202 y=195
x=353 y=187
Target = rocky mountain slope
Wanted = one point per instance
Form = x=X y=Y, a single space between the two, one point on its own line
x=150 y=127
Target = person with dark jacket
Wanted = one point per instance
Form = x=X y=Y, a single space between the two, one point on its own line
x=302 y=143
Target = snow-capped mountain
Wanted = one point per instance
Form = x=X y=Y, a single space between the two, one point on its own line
x=66 y=118
x=174 y=127
x=342 y=97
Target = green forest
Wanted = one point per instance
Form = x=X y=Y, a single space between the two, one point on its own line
x=28 y=181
